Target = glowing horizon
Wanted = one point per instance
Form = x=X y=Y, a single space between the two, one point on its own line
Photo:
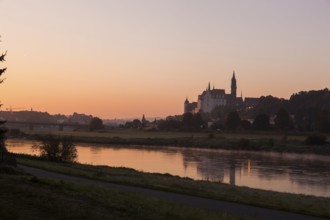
x=122 y=59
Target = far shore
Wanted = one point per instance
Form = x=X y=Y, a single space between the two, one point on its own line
x=265 y=141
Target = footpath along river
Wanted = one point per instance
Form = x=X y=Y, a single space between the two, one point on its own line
x=283 y=172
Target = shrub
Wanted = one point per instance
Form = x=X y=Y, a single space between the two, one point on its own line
x=316 y=140
x=56 y=148
x=7 y=158
x=244 y=143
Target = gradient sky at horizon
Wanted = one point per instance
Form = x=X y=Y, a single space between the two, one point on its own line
x=125 y=58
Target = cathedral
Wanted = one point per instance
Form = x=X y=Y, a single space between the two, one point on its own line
x=211 y=98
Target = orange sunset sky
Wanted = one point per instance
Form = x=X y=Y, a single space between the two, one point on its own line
x=119 y=59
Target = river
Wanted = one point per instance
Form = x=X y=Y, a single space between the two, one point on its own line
x=283 y=172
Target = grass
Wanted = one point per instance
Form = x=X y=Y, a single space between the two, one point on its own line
x=28 y=197
x=266 y=141
x=134 y=133
x=303 y=204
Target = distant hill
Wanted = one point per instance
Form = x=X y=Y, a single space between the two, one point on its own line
x=45 y=117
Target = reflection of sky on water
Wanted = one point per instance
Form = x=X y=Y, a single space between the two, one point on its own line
x=297 y=173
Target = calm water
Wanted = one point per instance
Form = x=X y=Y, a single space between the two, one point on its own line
x=295 y=173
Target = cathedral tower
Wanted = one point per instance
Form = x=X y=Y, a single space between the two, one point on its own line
x=233 y=86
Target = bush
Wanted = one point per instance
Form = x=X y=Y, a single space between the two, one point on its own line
x=244 y=143
x=7 y=158
x=55 y=148
x=96 y=124
x=9 y=170
x=316 y=140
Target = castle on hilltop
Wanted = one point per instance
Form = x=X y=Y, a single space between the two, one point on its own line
x=211 y=98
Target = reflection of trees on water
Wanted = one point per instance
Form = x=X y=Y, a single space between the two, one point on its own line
x=212 y=165
x=208 y=164
x=302 y=169
x=95 y=150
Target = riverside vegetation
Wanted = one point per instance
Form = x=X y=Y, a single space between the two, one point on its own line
x=259 y=141
x=309 y=205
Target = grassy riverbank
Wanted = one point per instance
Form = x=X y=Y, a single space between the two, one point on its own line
x=309 y=205
x=234 y=141
x=27 y=197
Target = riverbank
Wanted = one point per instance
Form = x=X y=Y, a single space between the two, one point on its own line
x=278 y=142
x=30 y=197
x=308 y=205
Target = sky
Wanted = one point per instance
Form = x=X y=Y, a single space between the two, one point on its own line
x=125 y=58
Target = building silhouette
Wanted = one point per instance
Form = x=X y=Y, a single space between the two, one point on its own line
x=211 y=98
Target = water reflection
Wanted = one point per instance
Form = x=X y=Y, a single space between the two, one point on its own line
x=296 y=173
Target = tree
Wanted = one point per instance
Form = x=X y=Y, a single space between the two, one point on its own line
x=3 y=129
x=96 y=124
x=233 y=120
x=269 y=105
x=55 y=148
x=187 y=121
x=192 y=122
x=309 y=109
x=282 y=120
x=136 y=123
x=246 y=125
x=171 y=123
x=322 y=122
x=261 y=122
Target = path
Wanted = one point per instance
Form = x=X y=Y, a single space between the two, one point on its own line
x=245 y=210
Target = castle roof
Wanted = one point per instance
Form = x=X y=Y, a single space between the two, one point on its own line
x=214 y=92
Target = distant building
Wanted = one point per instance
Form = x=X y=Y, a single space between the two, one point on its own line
x=211 y=98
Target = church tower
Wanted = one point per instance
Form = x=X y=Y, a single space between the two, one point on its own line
x=233 y=86
x=186 y=105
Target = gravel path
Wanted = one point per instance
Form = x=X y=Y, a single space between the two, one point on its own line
x=260 y=213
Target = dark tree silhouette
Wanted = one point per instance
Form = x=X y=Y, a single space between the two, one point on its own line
x=217 y=125
x=269 y=105
x=282 y=120
x=246 y=125
x=192 y=122
x=233 y=120
x=136 y=123
x=3 y=129
x=187 y=121
x=322 y=122
x=198 y=122
x=261 y=122
x=55 y=148
x=309 y=109
x=170 y=123
x=96 y=124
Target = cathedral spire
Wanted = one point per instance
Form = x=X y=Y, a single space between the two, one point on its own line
x=233 y=85
x=209 y=87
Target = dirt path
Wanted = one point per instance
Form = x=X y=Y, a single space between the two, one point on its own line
x=260 y=213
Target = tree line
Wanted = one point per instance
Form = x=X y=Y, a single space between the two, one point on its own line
x=304 y=111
